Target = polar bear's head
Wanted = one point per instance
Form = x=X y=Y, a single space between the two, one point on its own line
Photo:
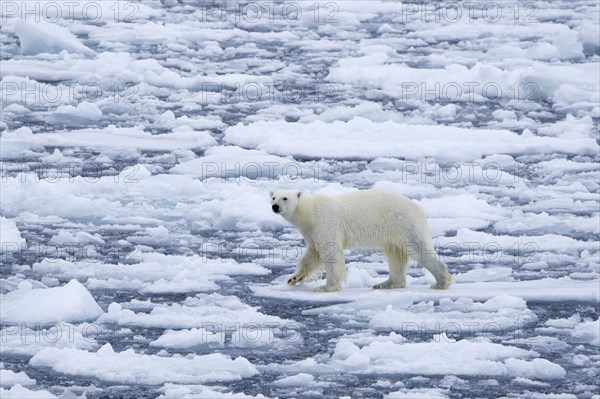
x=284 y=202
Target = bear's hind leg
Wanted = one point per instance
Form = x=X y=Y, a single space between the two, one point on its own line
x=443 y=279
x=398 y=263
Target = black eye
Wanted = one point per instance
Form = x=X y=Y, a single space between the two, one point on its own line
x=273 y=198
x=285 y=198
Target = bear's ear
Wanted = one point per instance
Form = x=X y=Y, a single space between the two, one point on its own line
x=299 y=194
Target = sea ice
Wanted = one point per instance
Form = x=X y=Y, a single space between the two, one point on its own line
x=43 y=37
x=8 y=378
x=20 y=392
x=442 y=356
x=176 y=391
x=364 y=139
x=189 y=338
x=10 y=236
x=69 y=303
x=540 y=290
x=155 y=273
x=203 y=310
x=23 y=340
x=83 y=114
x=129 y=367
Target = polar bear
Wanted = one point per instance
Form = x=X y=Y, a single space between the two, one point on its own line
x=365 y=219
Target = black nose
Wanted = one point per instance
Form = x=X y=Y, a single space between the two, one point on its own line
x=275 y=208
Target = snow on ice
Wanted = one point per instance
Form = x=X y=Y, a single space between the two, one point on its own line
x=363 y=138
x=130 y=367
x=20 y=392
x=10 y=378
x=11 y=236
x=69 y=303
x=443 y=356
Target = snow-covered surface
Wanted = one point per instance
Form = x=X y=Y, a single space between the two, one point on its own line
x=10 y=236
x=181 y=339
x=363 y=138
x=18 y=391
x=586 y=331
x=10 y=378
x=133 y=368
x=401 y=314
x=85 y=112
x=442 y=356
x=193 y=312
x=188 y=391
x=139 y=142
x=155 y=273
x=20 y=340
x=42 y=37
x=542 y=290
x=69 y=303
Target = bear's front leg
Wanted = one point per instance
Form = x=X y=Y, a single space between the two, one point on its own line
x=306 y=266
x=335 y=267
x=297 y=277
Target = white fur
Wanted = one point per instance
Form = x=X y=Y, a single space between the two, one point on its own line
x=367 y=219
